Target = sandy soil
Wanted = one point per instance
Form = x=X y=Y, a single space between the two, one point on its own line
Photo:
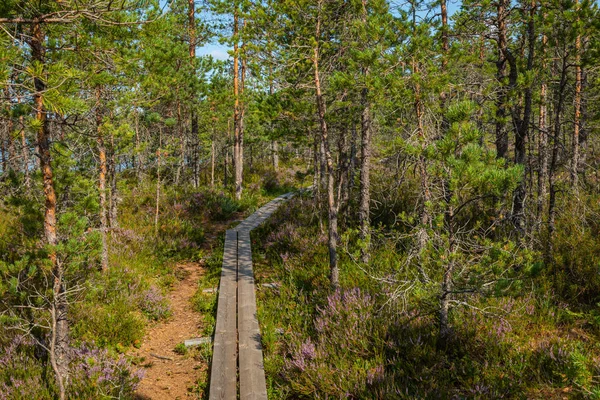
x=172 y=376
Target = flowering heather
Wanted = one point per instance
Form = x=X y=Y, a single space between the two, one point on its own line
x=154 y=304
x=128 y=235
x=346 y=321
x=500 y=328
x=93 y=374
x=345 y=358
x=96 y=374
x=20 y=373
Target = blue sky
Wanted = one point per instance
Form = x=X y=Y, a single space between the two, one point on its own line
x=219 y=51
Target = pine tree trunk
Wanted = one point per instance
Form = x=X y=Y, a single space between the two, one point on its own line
x=543 y=141
x=577 y=117
x=425 y=217
x=24 y=150
x=59 y=343
x=447 y=284
x=364 y=217
x=193 y=117
x=113 y=221
x=522 y=124
x=181 y=134
x=342 y=176
x=274 y=144
x=275 y=147
x=364 y=208
x=3 y=134
x=501 y=99
x=139 y=158
x=11 y=145
x=158 y=157
x=331 y=205
x=317 y=166
x=554 y=161
x=10 y=154
x=226 y=155
x=102 y=183
x=237 y=114
x=212 y=160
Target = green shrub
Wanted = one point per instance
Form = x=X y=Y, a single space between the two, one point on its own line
x=109 y=325
x=180 y=349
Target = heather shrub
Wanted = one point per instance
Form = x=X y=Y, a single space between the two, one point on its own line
x=577 y=251
x=215 y=205
x=561 y=361
x=22 y=376
x=154 y=305
x=270 y=182
x=344 y=356
x=96 y=374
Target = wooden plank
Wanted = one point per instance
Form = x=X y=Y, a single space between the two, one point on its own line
x=252 y=373
x=263 y=213
x=196 y=341
x=237 y=332
x=223 y=378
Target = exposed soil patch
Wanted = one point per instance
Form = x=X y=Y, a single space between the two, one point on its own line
x=168 y=374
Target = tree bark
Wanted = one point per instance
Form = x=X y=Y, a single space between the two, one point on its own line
x=317 y=166
x=501 y=99
x=331 y=204
x=10 y=153
x=102 y=182
x=212 y=160
x=364 y=209
x=193 y=116
x=3 y=150
x=447 y=287
x=59 y=343
x=114 y=194
x=554 y=160
x=275 y=147
x=543 y=141
x=522 y=123
x=182 y=135
x=226 y=157
x=237 y=120
x=24 y=150
x=158 y=156
x=577 y=118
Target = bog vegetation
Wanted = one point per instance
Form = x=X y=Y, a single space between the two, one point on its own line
x=449 y=245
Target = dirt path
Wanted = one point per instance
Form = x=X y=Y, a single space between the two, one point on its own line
x=171 y=378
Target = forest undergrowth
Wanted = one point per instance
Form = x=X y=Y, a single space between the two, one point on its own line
x=532 y=336
x=113 y=309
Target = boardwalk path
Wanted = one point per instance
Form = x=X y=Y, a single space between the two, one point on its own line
x=237 y=351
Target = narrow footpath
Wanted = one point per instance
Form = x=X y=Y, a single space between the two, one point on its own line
x=169 y=375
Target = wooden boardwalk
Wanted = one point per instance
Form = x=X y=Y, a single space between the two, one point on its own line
x=237 y=363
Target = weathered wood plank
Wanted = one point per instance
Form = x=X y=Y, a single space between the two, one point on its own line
x=251 y=368
x=196 y=341
x=237 y=332
x=223 y=379
x=263 y=213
